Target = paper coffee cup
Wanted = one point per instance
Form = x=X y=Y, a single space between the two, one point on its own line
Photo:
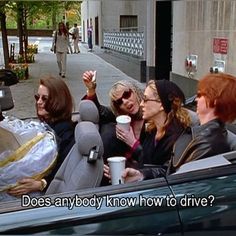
x=123 y=121
x=117 y=166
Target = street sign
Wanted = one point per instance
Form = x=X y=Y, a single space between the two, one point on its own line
x=220 y=45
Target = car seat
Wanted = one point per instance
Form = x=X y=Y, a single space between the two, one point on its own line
x=88 y=112
x=83 y=166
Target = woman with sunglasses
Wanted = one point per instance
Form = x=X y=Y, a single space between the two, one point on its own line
x=216 y=102
x=125 y=99
x=54 y=105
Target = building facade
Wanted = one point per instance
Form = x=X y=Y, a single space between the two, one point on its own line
x=182 y=40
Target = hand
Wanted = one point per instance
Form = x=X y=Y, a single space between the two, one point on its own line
x=25 y=186
x=125 y=135
x=90 y=85
x=106 y=171
x=132 y=175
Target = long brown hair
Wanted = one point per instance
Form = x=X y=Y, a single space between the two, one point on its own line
x=60 y=102
x=219 y=89
x=64 y=29
x=176 y=112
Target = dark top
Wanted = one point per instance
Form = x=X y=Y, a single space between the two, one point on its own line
x=196 y=143
x=158 y=152
x=64 y=131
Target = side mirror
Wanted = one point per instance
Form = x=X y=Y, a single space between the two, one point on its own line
x=6 y=100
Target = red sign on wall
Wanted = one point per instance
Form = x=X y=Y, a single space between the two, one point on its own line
x=220 y=45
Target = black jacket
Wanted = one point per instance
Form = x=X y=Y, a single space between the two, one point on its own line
x=154 y=152
x=64 y=131
x=196 y=143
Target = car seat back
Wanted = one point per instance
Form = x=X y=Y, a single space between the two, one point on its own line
x=88 y=112
x=232 y=140
x=83 y=166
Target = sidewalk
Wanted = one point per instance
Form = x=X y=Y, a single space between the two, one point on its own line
x=45 y=63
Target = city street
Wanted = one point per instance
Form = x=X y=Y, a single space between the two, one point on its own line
x=45 y=63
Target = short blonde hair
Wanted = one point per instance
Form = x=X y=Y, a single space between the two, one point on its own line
x=132 y=85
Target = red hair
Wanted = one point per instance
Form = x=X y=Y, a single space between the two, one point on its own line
x=220 y=92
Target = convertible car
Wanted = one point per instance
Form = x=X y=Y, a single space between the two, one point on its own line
x=200 y=198
x=186 y=203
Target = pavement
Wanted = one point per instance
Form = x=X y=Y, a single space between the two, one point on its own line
x=45 y=63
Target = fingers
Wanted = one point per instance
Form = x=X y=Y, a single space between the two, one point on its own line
x=106 y=171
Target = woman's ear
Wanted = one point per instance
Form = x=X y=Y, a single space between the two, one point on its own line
x=161 y=108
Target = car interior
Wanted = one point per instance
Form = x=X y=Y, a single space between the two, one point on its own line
x=86 y=154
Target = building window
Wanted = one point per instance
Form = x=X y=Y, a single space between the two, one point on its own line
x=128 y=23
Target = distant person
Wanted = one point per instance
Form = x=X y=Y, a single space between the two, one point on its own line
x=59 y=46
x=54 y=105
x=75 y=37
x=90 y=39
x=69 y=50
x=216 y=102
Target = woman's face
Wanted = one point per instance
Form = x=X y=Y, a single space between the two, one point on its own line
x=126 y=100
x=41 y=97
x=203 y=108
x=151 y=105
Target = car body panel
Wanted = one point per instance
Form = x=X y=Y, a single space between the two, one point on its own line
x=127 y=219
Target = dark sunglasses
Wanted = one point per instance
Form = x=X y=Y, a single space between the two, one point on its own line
x=125 y=95
x=43 y=97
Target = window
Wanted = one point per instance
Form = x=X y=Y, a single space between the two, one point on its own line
x=128 y=23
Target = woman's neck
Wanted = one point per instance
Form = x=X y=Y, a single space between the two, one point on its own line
x=160 y=120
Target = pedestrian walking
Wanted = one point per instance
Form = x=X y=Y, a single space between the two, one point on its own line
x=75 y=37
x=90 y=41
x=59 y=46
x=69 y=50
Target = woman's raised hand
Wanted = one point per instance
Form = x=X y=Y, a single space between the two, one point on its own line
x=90 y=82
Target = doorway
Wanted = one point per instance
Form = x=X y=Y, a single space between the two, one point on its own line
x=163 y=52
x=96 y=31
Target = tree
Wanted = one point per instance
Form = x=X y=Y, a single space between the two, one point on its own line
x=4 y=33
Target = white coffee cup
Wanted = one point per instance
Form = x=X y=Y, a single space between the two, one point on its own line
x=123 y=122
x=117 y=166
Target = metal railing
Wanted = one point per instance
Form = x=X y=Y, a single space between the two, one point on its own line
x=131 y=43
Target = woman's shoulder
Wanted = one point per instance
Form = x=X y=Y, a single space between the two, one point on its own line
x=63 y=127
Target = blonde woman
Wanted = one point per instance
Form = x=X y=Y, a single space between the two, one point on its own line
x=125 y=99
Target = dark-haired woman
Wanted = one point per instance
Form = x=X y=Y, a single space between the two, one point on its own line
x=54 y=105
x=60 y=43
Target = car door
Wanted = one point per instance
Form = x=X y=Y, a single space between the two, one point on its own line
x=135 y=208
x=206 y=200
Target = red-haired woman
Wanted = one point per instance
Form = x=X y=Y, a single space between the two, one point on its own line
x=54 y=105
x=216 y=102
x=60 y=43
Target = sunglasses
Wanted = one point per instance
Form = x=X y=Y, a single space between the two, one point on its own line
x=125 y=95
x=43 y=97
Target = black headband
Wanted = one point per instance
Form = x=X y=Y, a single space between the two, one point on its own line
x=167 y=91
